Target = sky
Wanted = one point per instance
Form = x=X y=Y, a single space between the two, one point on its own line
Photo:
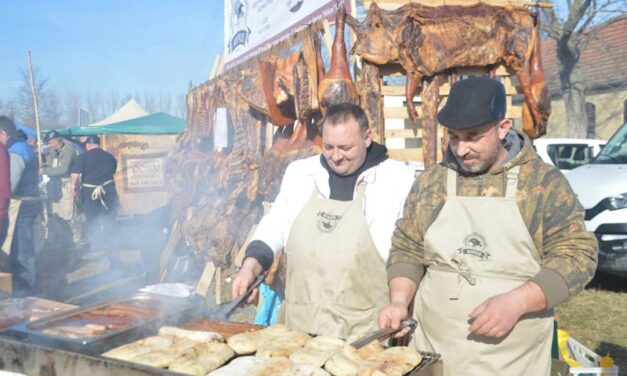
x=126 y=46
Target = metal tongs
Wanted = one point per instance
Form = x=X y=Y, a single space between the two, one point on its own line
x=228 y=308
x=383 y=333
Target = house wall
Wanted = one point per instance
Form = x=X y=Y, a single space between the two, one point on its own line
x=609 y=114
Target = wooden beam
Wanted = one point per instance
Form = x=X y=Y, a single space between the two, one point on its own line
x=407 y=133
x=444 y=89
x=405 y=154
x=398 y=112
x=394 y=4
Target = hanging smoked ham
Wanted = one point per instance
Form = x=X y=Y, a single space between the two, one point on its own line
x=337 y=86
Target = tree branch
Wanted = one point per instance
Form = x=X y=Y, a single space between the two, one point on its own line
x=552 y=25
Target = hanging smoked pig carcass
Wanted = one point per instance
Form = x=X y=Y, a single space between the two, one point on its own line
x=428 y=41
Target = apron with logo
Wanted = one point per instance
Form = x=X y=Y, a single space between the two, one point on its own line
x=336 y=279
x=479 y=247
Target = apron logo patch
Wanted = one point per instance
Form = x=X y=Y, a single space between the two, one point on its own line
x=327 y=221
x=474 y=245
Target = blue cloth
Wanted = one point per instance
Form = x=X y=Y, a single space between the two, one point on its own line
x=28 y=131
x=29 y=182
x=268 y=312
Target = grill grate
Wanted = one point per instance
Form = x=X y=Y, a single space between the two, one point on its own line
x=427 y=360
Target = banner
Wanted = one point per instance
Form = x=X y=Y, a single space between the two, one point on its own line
x=252 y=26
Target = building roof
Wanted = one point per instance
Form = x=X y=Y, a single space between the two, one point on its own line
x=603 y=61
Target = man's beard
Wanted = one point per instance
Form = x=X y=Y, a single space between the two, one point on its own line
x=481 y=166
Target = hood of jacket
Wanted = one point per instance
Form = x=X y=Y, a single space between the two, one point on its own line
x=519 y=148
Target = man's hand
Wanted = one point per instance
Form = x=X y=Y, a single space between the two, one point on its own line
x=251 y=268
x=391 y=317
x=498 y=315
x=402 y=291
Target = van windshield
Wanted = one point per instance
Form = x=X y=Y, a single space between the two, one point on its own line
x=615 y=151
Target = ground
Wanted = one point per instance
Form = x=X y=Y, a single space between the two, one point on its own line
x=597 y=316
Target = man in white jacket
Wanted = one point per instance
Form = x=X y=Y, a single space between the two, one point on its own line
x=334 y=217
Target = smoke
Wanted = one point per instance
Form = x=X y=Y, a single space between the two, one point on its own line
x=120 y=256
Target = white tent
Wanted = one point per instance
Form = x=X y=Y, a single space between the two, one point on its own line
x=130 y=110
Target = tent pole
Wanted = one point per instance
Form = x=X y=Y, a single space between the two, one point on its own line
x=36 y=105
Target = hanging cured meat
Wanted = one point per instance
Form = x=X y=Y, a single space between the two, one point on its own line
x=371 y=99
x=430 y=40
x=280 y=114
x=337 y=86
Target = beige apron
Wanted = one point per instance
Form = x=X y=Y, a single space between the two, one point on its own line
x=64 y=208
x=336 y=279
x=14 y=210
x=479 y=247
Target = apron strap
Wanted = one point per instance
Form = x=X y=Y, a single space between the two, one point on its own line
x=98 y=191
x=451 y=183
x=512 y=182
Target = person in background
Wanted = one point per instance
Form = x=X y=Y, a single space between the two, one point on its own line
x=25 y=206
x=93 y=187
x=491 y=240
x=334 y=217
x=61 y=156
x=5 y=189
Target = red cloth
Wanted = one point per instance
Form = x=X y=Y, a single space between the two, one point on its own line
x=5 y=184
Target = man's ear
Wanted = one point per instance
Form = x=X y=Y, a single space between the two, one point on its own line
x=504 y=126
x=368 y=137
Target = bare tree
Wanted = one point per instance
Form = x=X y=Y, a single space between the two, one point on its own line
x=180 y=108
x=573 y=29
x=165 y=102
x=21 y=102
x=95 y=106
x=114 y=102
x=71 y=106
x=52 y=112
x=149 y=102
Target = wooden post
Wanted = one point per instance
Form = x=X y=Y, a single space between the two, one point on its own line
x=216 y=66
x=218 y=285
x=36 y=105
x=202 y=287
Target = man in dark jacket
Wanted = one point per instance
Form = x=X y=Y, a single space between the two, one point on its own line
x=24 y=208
x=92 y=182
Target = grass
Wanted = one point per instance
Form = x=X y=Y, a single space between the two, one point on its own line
x=597 y=318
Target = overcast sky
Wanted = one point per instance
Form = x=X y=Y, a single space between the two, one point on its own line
x=128 y=46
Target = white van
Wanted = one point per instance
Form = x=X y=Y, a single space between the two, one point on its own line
x=601 y=187
x=567 y=153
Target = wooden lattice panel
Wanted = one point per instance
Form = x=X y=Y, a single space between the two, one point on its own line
x=401 y=137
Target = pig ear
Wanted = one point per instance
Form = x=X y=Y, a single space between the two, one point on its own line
x=374 y=13
x=374 y=10
x=354 y=24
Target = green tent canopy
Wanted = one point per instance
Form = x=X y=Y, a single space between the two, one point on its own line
x=157 y=123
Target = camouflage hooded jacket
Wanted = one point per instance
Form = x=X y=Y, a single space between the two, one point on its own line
x=552 y=214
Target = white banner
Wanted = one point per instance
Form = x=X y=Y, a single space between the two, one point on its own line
x=252 y=26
